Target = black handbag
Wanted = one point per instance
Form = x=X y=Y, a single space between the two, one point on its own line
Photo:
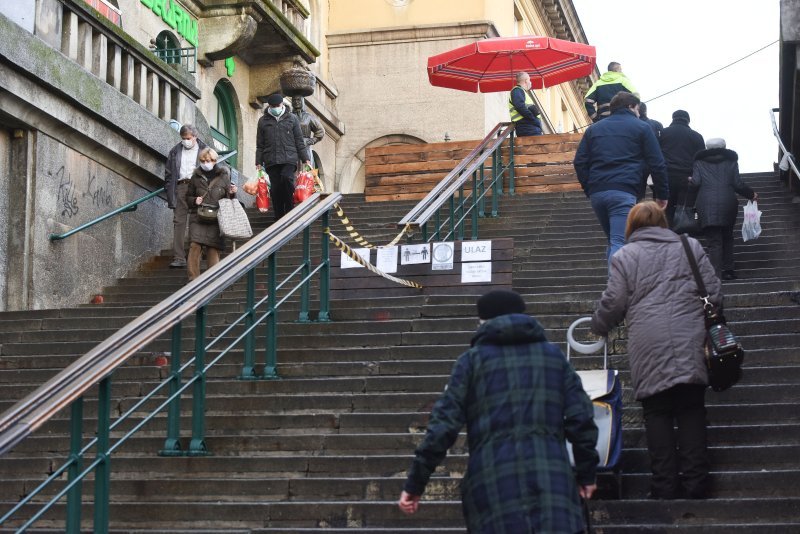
x=207 y=213
x=724 y=353
x=685 y=220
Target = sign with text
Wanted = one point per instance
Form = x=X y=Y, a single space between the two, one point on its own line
x=387 y=259
x=413 y=254
x=474 y=272
x=476 y=251
x=348 y=263
x=176 y=17
x=442 y=256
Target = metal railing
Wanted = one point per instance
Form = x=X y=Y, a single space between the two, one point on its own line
x=186 y=57
x=473 y=203
x=131 y=206
x=787 y=160
x=95 y=368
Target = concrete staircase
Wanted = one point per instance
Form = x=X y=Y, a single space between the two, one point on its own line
x=325 y=449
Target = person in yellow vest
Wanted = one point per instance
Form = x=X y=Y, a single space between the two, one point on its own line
x=598 y=99
x=522 y=107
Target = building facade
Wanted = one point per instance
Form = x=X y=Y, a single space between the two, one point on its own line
x=91 y=93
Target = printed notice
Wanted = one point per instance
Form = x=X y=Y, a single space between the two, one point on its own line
x=442 y=256
x=387 y=259
x=479 y=271
x=349 y=263
x=412 y=254
x=476 y=251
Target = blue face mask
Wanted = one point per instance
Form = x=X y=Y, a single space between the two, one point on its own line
x=276 y=112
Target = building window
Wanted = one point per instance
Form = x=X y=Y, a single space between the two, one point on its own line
x=168 y=48
x=222 y=120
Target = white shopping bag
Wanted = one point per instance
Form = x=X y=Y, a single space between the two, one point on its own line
x=751 y=226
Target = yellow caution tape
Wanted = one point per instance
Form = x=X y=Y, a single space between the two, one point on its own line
x=354 y=235
x=341 y=245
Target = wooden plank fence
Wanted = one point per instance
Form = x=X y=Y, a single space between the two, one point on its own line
x=408 y=172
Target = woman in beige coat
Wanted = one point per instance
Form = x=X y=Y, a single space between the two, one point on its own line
x=210 y=182
x=652 y=287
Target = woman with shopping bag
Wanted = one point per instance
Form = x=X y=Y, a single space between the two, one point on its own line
x=716 y=177
x=210 y=182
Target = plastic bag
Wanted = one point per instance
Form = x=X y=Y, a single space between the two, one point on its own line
x=262 y=193
x=303 y=186
x=751 y=227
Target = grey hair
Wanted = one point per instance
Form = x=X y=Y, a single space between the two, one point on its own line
x=188 y=128
x=614 y=67
x=521 y=75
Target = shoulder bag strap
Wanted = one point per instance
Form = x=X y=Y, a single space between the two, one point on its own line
x=210 y=186
x=708 y=307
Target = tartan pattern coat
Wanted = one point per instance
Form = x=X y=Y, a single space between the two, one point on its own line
x=519 y=398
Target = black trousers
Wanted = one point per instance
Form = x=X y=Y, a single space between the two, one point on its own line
x=282 y=191
x=678 y=190
x=720 y=247
x=678 y=460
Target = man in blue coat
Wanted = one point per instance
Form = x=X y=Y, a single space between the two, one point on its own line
x=611 y=159
x=520 y=399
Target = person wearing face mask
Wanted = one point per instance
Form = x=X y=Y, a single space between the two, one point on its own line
x=279 y=146
x=181 y=162
x=522 y=107
x=210 y=182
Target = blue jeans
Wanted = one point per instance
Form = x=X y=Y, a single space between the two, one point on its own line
x=612 y=208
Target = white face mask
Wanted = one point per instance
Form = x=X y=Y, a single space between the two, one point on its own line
x=207 y=165
x=187 y=143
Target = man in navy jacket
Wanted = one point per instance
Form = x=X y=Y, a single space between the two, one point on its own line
x=610 y=162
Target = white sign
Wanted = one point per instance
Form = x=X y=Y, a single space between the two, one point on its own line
x=442 y=256
x=412 y=254
x=476 y=251
x=387 y=259
x=476 y=272
x=349 y=263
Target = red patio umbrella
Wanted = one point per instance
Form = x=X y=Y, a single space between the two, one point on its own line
x=490 y=65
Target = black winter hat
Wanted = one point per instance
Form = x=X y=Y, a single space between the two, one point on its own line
x=275 y=99
x=680 y=114
x=499 y=302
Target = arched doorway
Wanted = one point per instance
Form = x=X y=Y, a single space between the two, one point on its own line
x=223 y=122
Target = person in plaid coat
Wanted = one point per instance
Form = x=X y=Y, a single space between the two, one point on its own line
x=519 y=398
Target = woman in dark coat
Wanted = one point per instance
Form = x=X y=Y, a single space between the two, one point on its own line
x=716 y=177
x=652 y=287
x=210 y=182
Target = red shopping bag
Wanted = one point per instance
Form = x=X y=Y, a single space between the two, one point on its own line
x=303 y=186
x=262 y=194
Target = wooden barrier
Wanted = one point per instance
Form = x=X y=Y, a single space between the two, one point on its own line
x=359 y=282
x=408 y=172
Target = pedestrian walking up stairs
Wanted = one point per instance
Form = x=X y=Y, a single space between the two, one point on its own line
x=325 y=447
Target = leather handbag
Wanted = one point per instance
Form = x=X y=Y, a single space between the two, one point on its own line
x=233 y=221
x=724 y=353
x=685 y=220
x=207 y=213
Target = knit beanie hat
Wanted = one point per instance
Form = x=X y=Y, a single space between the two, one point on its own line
x=715 y=142
x=499 y=302
x=680 y=114
x=275 y=99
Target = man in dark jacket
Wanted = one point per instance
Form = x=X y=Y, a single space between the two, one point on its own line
x=520 y=398
x=522 y=108
x=279 y=146
x=679 y=143
x=610 y=162
x=181 y=162
x=598 y=99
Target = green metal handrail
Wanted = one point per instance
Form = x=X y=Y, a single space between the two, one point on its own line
x=96 y=367
x=131 y=206
x=443 y=195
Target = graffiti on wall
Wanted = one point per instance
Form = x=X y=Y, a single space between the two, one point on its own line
x=96 y=194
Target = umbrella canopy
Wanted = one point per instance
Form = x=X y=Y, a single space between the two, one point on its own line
x=491 y=65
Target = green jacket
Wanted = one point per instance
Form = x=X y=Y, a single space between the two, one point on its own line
x=604 y=89
x=519 y=398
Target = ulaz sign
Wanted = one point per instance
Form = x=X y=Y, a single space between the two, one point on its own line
x=174 y=15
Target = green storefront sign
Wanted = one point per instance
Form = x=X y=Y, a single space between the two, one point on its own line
x=177 y=19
